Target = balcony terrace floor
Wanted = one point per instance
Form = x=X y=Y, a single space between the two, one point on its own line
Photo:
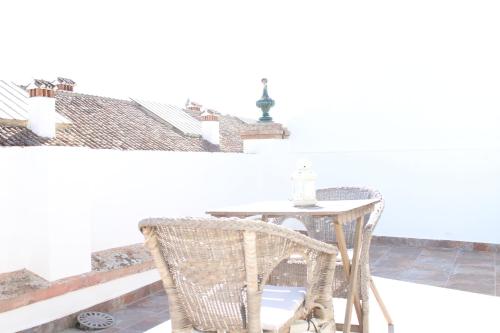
x=463 y=278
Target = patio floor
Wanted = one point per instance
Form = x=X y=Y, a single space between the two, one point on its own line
x=455 y=269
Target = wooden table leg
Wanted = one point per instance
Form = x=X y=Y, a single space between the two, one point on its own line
x=339 y=232
x=341 y=243
x=352 y=295
x=344 y=255
x=381 y=303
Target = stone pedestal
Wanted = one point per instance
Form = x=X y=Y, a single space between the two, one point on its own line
x=265 y=137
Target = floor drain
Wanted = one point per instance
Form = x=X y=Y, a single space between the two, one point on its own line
x=92 y=320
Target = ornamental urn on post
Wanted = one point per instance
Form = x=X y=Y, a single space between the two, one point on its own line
x=265 y=104
x=304 y=184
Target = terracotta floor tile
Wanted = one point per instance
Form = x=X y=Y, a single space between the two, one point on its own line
x=378 y=251
x=473 y=277
x=155 y=304
x=163 y=316
x=397 y=264
x=130 y=330
x=476 y=258
x=475 y=270
x=487 y=289
x=403 y=252
x=108 y=330
x=390 y=271
x=434 y=263
x=397 y=260
x=433 y=277
x=438 y=252
x=484 y=284
x=147 y=324
x=129 y=316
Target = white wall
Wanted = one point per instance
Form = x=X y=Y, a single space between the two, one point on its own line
x=60 y=204
x=129 y=186
x=434 y=194
x=269 y=146
x=14 y=196
x=45 y=211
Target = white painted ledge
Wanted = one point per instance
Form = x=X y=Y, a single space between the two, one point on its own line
x=57 y=307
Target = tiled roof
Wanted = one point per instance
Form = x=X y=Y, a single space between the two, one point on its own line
x=108 y=123
x=229 y=129
x=174 y=116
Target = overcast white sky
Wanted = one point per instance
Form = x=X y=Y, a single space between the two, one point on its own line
x=422 y=61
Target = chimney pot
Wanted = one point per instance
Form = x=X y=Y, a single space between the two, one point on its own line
x=64 y=84
x=194 y=107
x=210 y=128
x=42 y=108
x=209 y=117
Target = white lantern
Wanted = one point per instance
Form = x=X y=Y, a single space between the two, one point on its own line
x=304 y=187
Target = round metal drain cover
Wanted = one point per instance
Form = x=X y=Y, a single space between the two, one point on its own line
x=92 y=320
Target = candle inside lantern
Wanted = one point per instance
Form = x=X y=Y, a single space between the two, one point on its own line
x=304 y=184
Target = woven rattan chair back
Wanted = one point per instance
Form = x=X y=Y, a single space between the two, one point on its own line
x=214 y=270
x=323 y=229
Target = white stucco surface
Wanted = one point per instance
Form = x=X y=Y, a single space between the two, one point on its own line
x=45 y=211
x=210 y=131
x=42 y=116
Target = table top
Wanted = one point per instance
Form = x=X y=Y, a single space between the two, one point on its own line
x=286 y=208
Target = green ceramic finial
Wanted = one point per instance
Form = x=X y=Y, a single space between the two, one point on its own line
x=265 y=104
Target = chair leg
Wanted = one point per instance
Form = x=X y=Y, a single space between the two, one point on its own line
x=382 y=305
x=366 y=318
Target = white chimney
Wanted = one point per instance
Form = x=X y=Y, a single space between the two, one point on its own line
x=210 y=128
x=42 y=109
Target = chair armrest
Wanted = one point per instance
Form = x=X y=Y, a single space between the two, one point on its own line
x=375 y=215
x=368 y=230
x=320 y=275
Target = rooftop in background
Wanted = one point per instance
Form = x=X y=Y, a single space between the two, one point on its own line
x=108 y=123
x=173 y=115
x=14 y=106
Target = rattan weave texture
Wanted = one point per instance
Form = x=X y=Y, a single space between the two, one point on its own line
x=214 y=270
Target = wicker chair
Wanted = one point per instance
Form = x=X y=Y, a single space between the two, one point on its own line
x=215 y=270
x=322 y=229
